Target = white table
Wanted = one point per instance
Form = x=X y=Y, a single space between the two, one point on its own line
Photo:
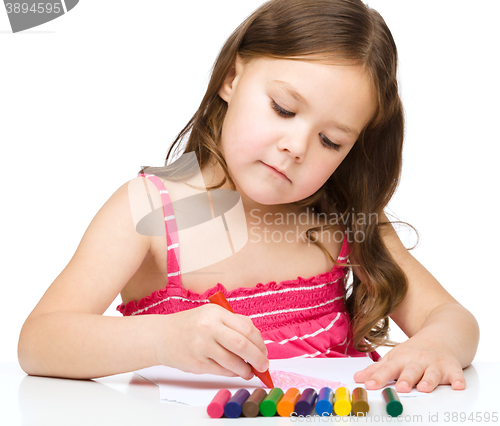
x=128 y=399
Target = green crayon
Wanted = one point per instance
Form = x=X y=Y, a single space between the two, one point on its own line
x=268 y=407
x=394 y=407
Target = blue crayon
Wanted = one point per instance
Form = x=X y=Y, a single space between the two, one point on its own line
x=305 y=404
x=233 y=408
x=324 y=405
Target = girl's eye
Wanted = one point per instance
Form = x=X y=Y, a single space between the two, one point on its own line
x=328 y=143
x=287 y=114
x=281 y=111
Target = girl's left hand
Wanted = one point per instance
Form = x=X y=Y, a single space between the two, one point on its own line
x=413 y=363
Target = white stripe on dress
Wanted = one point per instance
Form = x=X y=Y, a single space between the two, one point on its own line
x=203 y=301
x=164 y=300
x=284 y=311
x=286 y=290
x=325 y=353
x=343 y=343
x=305 y=336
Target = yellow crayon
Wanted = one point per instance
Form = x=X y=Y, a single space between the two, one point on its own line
x=342 y=406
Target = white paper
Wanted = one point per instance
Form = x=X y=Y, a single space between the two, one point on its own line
x=199 y=389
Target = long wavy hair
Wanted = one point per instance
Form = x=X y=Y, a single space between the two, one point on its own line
x=348 y=32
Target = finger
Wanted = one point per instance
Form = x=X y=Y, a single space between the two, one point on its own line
x=231 y=362
x=242 y=324
x=362 y=375
x=209 y=366
x=430 y=379
x=456 y=378
x=251 y=332
x=411 y=374
x=239 y=345
x=248 y=342
x=386 y=373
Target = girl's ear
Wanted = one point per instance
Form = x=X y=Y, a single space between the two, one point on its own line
x=227 y=87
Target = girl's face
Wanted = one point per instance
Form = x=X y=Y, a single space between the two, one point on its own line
x=299 y=117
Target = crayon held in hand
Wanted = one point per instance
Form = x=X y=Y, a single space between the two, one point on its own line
x=219 y=299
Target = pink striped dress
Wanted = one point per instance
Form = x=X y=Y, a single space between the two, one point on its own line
x=304 y=317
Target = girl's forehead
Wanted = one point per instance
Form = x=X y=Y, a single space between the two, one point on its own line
x=303 y=70
x=316 y=59
x=297 y=76
x=321 y=86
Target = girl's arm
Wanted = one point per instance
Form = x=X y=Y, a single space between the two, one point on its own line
x=443 y=334
x=66 y=334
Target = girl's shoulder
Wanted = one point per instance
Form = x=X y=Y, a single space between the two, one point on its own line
x=146 y=203
x=109 y=254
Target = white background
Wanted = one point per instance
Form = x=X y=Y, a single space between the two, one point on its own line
x=89 y=98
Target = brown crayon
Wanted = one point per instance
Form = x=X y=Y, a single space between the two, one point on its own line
x=252 y=404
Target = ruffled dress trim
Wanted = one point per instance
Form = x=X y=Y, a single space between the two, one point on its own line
x=175 y=291
x=303 y=317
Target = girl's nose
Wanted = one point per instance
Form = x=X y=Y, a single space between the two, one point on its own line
x=296 y=144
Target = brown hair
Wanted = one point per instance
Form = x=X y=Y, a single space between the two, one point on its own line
x=343 y=31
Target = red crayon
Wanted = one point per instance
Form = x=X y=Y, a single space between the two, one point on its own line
x=219 y=299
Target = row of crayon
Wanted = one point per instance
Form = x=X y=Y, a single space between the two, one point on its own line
x=325 y=403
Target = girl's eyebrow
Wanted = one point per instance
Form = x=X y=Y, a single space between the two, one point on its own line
x=289 y=89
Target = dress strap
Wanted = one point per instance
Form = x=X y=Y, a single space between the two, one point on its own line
x=345 y=249
x=174 y=274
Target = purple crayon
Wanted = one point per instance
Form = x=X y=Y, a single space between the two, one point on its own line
x=233 y=408
x=305 y=404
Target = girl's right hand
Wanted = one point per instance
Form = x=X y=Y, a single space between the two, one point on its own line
x=210 y=339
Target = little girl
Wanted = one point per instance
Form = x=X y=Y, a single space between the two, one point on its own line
x=302 y=118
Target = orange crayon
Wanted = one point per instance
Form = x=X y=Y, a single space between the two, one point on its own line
x=287 y=404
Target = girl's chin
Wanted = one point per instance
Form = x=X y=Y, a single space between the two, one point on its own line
x=264 y=192
x=264 y=197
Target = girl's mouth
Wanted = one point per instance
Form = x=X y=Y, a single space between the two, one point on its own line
x=275 y=172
